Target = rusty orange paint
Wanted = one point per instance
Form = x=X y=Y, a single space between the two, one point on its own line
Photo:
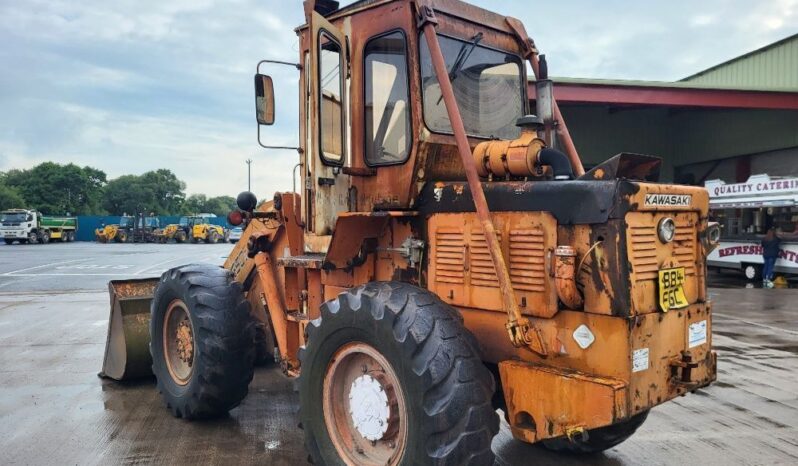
x=490 y=266
x=570 y=400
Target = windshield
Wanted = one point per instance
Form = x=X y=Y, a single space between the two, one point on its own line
x=488 y=86
x=183 y=221
x=126 y=222
x=12 y=217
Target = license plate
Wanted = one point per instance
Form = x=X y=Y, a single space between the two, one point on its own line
x=671 y=289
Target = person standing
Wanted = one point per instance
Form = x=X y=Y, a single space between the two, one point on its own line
x=771 y=245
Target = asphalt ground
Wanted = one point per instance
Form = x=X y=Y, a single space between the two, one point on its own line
x=55 y=410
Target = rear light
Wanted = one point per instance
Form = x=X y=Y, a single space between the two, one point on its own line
x=235 y=218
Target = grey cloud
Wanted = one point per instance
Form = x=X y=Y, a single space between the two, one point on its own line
x=129 y=86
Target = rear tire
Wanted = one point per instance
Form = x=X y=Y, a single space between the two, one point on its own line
x=9 y=241
x=599 y=439
x=33 y=238
x=45 y=237
x=441 y=391
x=212 y=376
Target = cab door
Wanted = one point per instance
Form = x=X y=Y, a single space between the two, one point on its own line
x=330 y=149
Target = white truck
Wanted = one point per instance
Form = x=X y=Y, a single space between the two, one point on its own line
x=30 y=226
x=746 y=211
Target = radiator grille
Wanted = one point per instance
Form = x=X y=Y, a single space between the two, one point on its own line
x=527 y=260
x=644 y=252
x=449 y=255
x=644 y=244
x=684 y=248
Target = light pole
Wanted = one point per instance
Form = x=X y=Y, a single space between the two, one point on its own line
x=249 y=175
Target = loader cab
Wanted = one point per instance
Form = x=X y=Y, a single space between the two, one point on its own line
x=373 y=125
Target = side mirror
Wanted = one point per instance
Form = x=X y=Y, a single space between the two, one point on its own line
x=264 y=99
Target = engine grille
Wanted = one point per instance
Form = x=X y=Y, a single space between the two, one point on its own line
x=528 y=260
x=449 y=255
x=457 y=263
x=480 y=263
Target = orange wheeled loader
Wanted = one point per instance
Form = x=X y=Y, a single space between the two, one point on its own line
x=446 y=256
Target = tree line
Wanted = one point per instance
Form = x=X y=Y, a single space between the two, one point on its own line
x=56 y=189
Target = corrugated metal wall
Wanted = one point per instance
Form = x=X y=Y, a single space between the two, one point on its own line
x=774 y=67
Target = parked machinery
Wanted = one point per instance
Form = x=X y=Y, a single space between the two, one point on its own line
x=131 y=229
x=204 y=231
x=442 y=260
x=117 y=232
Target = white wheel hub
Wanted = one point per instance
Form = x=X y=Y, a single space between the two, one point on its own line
x=368 y=406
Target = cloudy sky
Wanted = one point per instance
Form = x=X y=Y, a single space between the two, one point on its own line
x=128 y=86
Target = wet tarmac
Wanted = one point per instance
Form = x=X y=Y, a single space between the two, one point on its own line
x=55 y=410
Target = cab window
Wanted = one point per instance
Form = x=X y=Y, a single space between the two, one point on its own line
x=488 y=86
x=387 y=113
x=331 y=105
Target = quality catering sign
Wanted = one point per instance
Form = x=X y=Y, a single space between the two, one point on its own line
x=761 y=185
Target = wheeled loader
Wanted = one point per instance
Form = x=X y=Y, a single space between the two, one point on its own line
x=204 y=231
x=118 y=232
x=194 y=228
x=446 y=256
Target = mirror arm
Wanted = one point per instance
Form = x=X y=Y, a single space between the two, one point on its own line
x=277 y=62
x=257 y=71
x=298 y=149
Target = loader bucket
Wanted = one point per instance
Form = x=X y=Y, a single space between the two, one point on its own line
x=127 y=348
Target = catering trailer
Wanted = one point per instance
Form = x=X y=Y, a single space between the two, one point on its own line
x=746 y=211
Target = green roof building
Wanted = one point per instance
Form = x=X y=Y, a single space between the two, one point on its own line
x=727 y=122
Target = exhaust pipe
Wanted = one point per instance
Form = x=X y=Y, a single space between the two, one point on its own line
x=558 y=162
x=565 y=277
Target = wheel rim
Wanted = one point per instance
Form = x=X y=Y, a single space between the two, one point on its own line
x=750 y=272
x=364 y=407
x=178 y=342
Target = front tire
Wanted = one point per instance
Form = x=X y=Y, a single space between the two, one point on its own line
x=202 y=341
x=9 y=241
x=598 y=440
x=395 y=345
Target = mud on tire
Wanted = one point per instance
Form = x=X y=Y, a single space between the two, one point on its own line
x=599 y=439
x=446 y=387
x=223 y=341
